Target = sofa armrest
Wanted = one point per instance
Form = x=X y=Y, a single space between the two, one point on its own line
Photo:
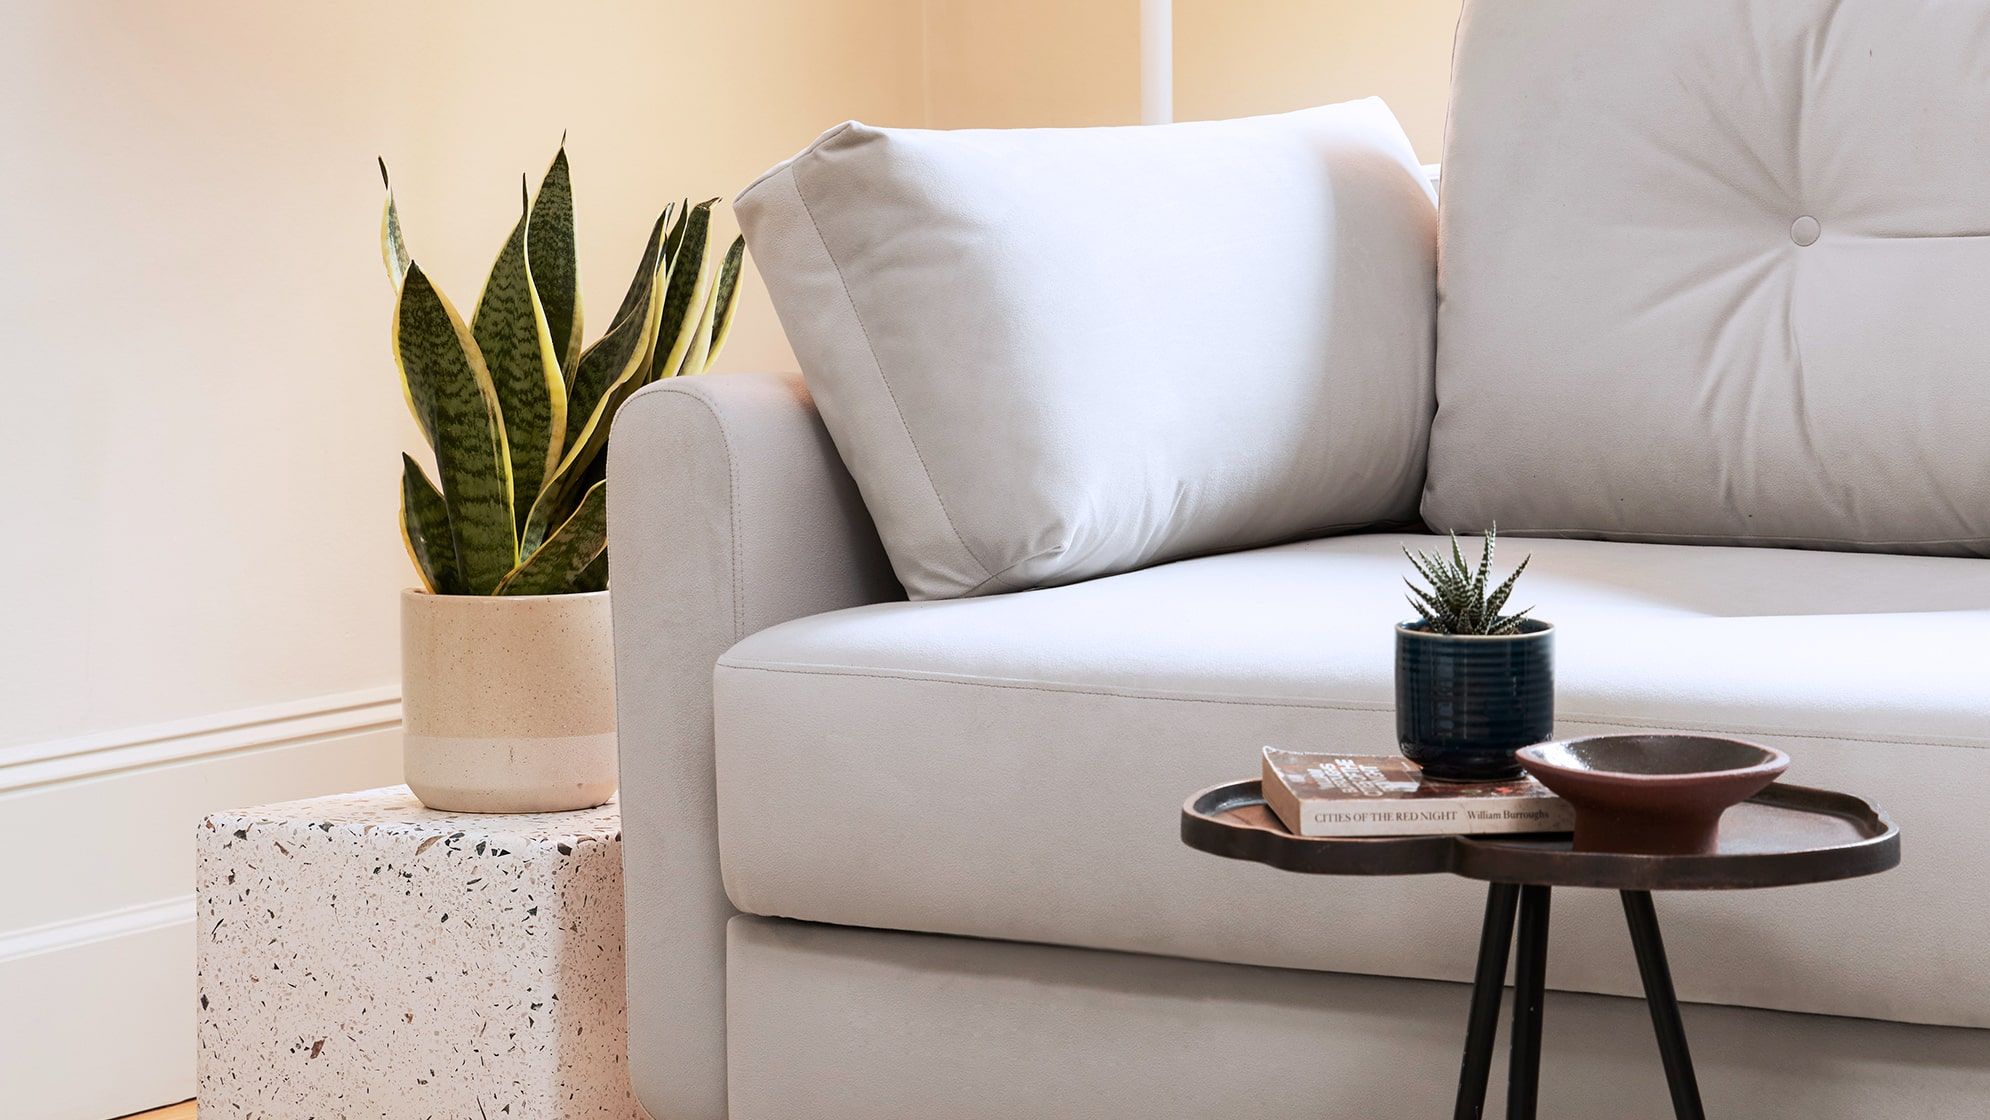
x=729 y=511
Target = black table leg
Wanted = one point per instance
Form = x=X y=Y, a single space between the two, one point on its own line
x=1657 y=976
x=1530 y=981
x=1488 y=985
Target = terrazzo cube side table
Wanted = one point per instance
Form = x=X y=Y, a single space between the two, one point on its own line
x=362 y=956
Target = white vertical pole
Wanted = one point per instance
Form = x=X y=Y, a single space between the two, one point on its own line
x=1157 y=61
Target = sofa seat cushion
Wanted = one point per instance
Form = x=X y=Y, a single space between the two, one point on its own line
x=1731 y=260
x=1013 y=766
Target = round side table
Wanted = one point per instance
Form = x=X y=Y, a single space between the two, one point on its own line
x=1783 y=836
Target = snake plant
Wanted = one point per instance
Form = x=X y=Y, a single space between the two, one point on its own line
x=1456 y=602
x=516 y=411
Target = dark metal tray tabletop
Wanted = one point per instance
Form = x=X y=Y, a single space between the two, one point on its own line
x=1782 y=836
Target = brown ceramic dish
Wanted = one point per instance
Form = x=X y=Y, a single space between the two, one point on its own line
x=1652 y=794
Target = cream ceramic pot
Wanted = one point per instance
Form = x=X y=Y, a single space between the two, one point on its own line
x=507 y=702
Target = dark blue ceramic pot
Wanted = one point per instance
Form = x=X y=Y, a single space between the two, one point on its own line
x=1466 y=702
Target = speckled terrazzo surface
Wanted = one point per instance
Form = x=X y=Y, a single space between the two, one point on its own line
x=364 y=957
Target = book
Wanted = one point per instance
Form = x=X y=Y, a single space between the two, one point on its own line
x=1386 y=795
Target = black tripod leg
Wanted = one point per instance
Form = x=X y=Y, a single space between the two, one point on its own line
x=1488 y=985
x=1665 y=1021
x=1530 y=982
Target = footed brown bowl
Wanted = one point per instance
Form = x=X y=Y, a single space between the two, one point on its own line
x=1652 y=794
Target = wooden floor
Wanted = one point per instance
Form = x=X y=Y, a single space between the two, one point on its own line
x=181 y=1111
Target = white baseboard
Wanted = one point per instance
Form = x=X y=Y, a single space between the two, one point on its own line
x=101 y=1027
x=96 y=920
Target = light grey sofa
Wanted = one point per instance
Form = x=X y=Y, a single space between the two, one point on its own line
x=890 y=858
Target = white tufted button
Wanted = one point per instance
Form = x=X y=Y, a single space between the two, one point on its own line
x=1804 y=230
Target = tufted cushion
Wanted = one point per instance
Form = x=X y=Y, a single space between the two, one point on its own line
x=1718 y=272
x=1052 y=354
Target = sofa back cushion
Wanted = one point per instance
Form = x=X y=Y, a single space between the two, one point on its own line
x=1717 y=273
x=1052 y=354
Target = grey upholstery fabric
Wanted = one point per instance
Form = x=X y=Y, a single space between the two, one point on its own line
x=1716 y=273
x=1010 y=766
x=1050 y=354
x=730 y=512
x=839 y=1024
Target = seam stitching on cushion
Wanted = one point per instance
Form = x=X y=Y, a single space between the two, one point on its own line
x=1148 y=559
x=1832 y=737
x=1661 y=538
x=878 y=365
x=1345 y=706
x=1025 y=686
x=1051 y=551
x=794 y=159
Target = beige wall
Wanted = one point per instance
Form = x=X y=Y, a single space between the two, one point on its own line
x=1032 y=63
x=1238 y=57
x=1022 y=63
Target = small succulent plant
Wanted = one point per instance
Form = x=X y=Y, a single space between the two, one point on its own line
x=1457 y=601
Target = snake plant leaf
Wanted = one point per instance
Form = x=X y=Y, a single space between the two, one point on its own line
x=704 y=346
x=675 y=214
x=701 y=335
x=425 y=530
x=666 y=355
x=685 y=294
x=552 y=256
x=512 y=333
x=595 y=578
x=727 y=299
x=458 y=405
x=659 y=344
x=675 y=237
x=603 y=365
x=393 y=249
x=694 y=280
x=605 y=369
x=636 y=299
x=555 y=566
